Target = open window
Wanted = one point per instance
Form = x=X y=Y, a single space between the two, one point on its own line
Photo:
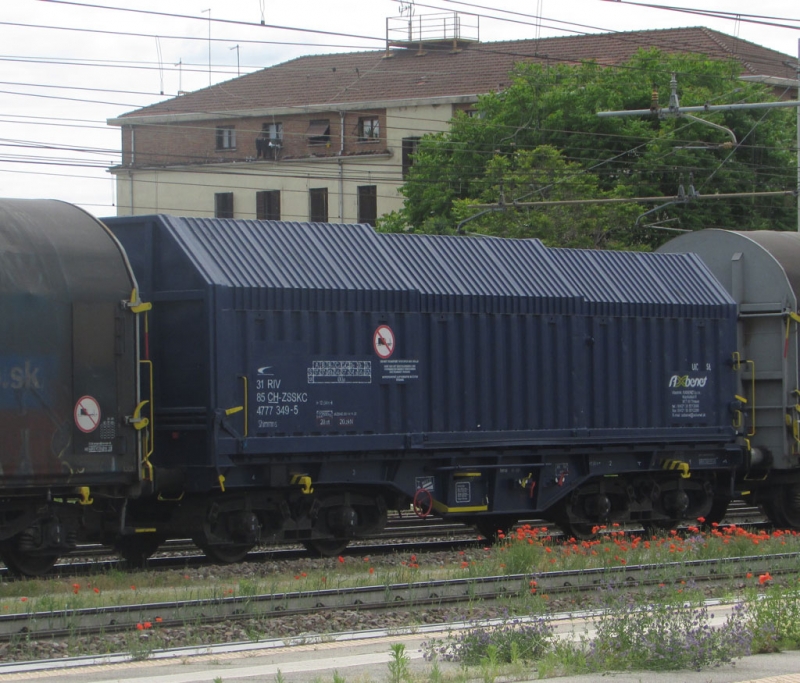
x=273 y=132
x=270 y=142
x=319 y=132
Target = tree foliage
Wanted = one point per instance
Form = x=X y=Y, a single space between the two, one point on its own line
x=541 y=140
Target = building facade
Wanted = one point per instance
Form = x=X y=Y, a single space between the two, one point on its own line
x=330 y=138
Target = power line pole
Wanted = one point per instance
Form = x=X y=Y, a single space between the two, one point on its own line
x=675 y=109
x=209 y=42
x=236 y=47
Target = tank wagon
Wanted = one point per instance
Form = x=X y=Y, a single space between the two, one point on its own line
x=761 y=272
x=274 y=381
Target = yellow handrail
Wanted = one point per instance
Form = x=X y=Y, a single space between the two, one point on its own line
x=752 y=365
x=147 y=466
x=246 y=411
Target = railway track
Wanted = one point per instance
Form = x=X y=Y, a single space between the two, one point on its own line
x=111 y=619
x=402 y=534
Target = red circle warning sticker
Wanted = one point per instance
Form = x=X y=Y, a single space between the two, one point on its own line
x=383 y=341
x=87 y=414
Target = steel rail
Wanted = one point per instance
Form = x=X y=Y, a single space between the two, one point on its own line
x=60 y=623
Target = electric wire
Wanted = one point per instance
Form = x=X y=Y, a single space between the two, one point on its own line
x=183 y=16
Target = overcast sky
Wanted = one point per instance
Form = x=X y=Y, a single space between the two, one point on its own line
x=68 y=66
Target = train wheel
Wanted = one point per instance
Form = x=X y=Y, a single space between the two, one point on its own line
x=783 y=506
x=719 y=508
x=572 y=524
x=136 y=550
x=21 y=563
x=226 y=554
x=494 y=528
x=326 y=547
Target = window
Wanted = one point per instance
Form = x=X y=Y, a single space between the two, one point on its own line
x=223 y=205
x=269 y=143
x=268 y=205
x=409 y=149
x=273 y=132
x=226 y=137
x=369 y=129
x=319 y=132
x=318 y=205
x=368 y=204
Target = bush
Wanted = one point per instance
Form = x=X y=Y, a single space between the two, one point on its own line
x=667 y=636
x=774 y=619
x=508 y=643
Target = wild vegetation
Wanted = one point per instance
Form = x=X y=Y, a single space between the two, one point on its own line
x=540 y=139
x=660 y=620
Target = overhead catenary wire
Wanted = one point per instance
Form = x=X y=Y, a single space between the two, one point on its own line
x=153 y=67
x=764 y=20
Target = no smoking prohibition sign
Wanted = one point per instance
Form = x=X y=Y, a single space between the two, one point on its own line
x=87 y=414
x=383 y=341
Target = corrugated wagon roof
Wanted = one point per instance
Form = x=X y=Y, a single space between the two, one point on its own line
x=249 y=253
x=328 y=266
x=323 y=266
x=484 y=274
x=617 y=282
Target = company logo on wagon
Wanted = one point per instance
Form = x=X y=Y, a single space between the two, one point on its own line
x=684 y=381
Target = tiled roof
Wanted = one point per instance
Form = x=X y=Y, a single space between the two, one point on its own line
x=355 y=77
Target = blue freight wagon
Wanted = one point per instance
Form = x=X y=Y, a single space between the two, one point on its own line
x=306 y=378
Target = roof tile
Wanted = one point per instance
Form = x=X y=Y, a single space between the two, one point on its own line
x=356 y=77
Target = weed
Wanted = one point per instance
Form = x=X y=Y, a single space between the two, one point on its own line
x=279 y=678
x=435 y=674
x=140 y=648
x=399 y=664
x=337 y=677
x=490 y=665
x=671 y=634
x=252 y=632
x=665 y=636
x=248 y=588
x=512 y=642
x=774 y=619
x=563 y=659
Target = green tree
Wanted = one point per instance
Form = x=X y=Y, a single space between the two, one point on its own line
x=541 y=139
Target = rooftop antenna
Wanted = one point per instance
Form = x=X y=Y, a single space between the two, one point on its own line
x=236 y=47
x=180 y=76
x=209 y=42
x=407 y=8
x=160 y=64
